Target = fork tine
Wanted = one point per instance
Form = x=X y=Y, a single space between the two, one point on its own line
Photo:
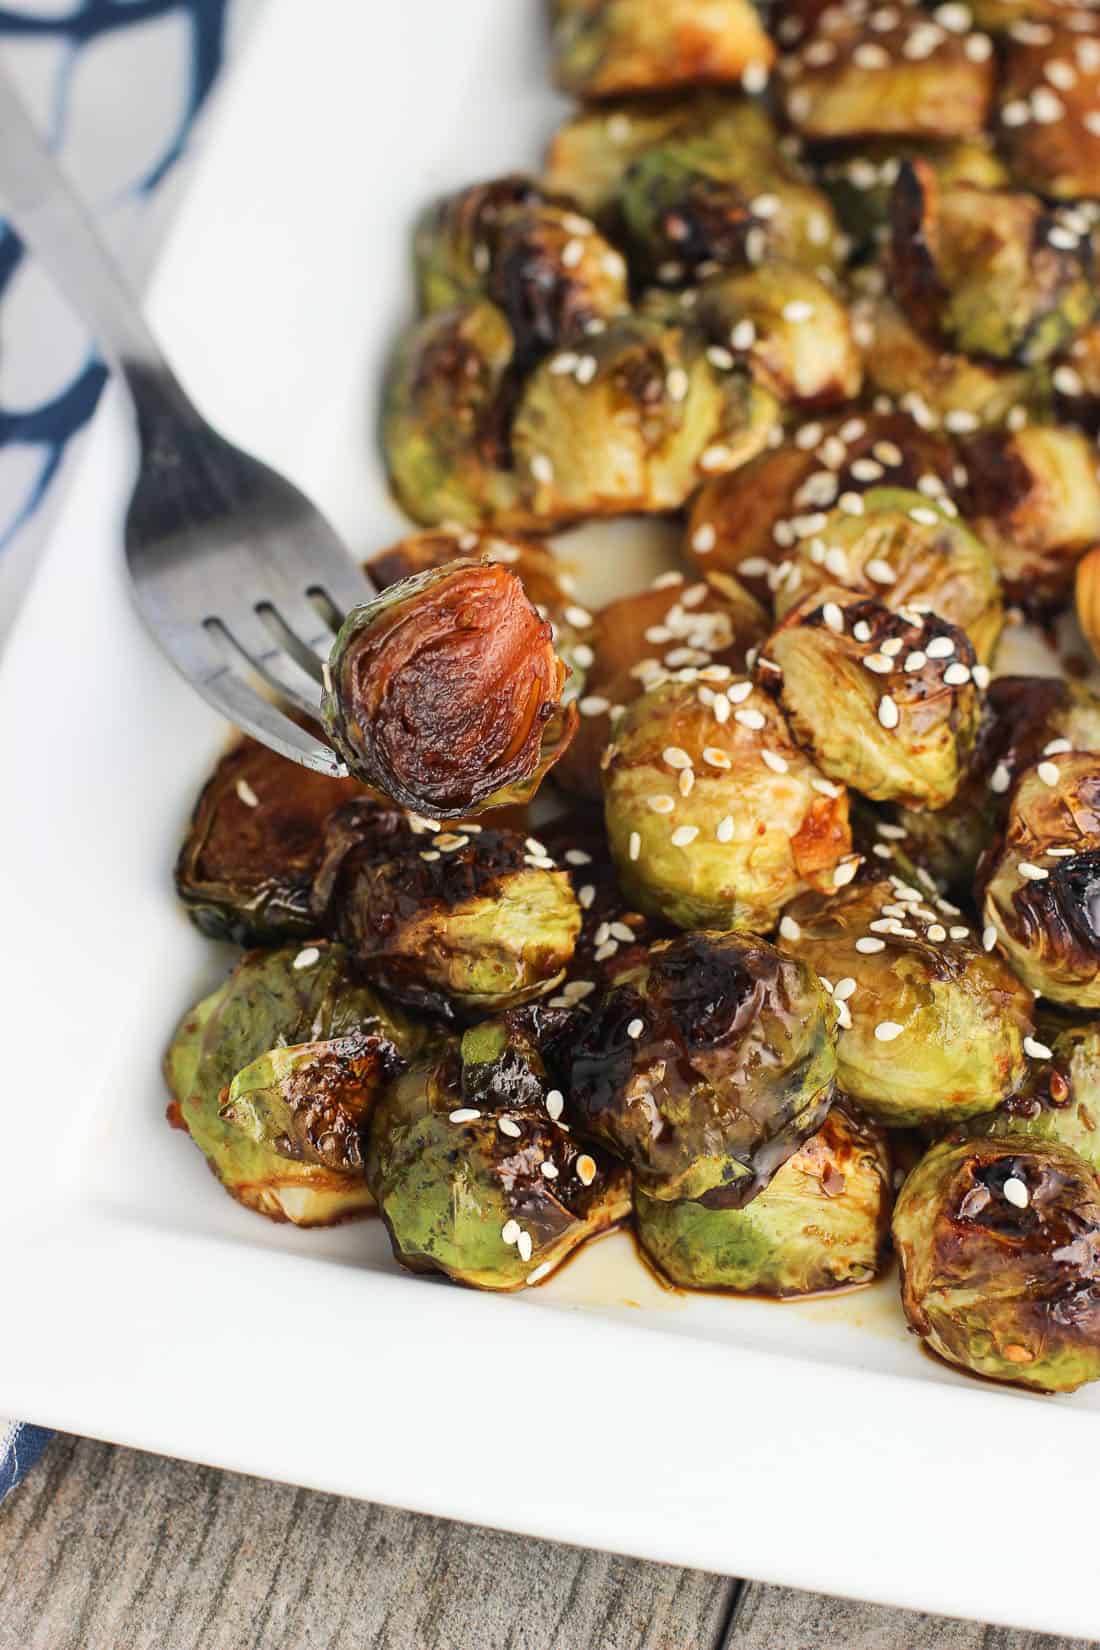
x=322 y=563
x=233 y=697
x=250 y=636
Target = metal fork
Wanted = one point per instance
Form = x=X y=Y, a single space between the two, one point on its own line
x=236 y=574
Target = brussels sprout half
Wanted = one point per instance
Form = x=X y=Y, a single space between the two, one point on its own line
x=1041 y=880
x=858 y=178
x=794 y=332
x=275 y=1075
x=473 y=1174
x=931 y=1028
x=884 y=701
x=851 y=77
x=987 y=270
x=1061 y=1101
x=445 y=692
x=939 y=386
x=603 y=48
x=821 y=1222
x=1047 y=99
x=999 y=1246
x=905 y=547
x=706 y=1068
x=1034 y=499
x=246 y=867
x=715 y=817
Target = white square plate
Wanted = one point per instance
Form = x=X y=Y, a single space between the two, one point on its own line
x=805 y=1444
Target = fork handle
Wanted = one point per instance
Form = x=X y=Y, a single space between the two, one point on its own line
x=49 y=219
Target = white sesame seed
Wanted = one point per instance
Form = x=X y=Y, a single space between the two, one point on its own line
x=587 y=368
x=887 y=1030
x=635 y=1029
x=959 y=422
x=1046 y=106
x=978 y=48
x=825 y=787
x=634 y=846
x=916 y=660
x=430 y=855
x=879 y=663
x=555 y=1103
x=1015 y=113
x=843 y=989
x=717 y=458
x=888 y=713
x=684 y=835
x=704 y=539
x=790 y=929
x=743 y=335
x=836 y=563
x=772 y=760
x=465 y=1114
x=880 y=571
x=851 y=503
x=861 y=630
x=956 y=675
x=724 y=830
x=247 y=794
x=1048 y=772
x=980 y=675
x=868 y=946
x=750 y=718
x=586 y=1169
x=524 y=1246
x=307 y=958
x=721 y=709
x=539 y=1272
x=507 y=1126
x=661 y=804
x=937 y=933
x=1032 y=873
x=1000 y=779
x=510 y=1231
x=940 y=647
x=989 y=938
x=1066 y=381
x=542 y=469
x=1037 y=1050
x=754 y=78
x=677 y=383
x=593 y=704
x=798 y=310
x=716 y=758
x=1016 y=1192
x=844 y=872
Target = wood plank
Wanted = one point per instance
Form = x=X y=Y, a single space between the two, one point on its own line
x=779 y=1618
x=108 y=1549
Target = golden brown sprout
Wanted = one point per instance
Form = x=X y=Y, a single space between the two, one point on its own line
x=641 y=640
x=1087 y=598
x=1034 y=498
x=908 y=548
x=1048 y=109
x=1040 y=882
x=991 y=272
x=715 y=817
x=938 y=386
x=795 y=334
x=914 y=79
x=931 y=1028
x=884 y=702
x=604 y=48
x=749 y=522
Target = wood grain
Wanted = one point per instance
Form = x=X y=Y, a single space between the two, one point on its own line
x=779 y=1618
x=107 y=1549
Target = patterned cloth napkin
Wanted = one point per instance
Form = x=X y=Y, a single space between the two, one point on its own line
x=117 y=85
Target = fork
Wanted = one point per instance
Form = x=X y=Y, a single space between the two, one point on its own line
x=235 y=572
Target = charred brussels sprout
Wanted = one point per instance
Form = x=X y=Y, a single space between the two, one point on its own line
x=820 y=1224
x=275 y=1076
x=472 y=1173
x=1062 y=1100
x=462 y=922
x=999 y=1245
x=859 y=178
x=852 y=79
x=707 y=1068
x=445 y=693
x=795 y=333
x=246 y=866
x=938 y=386
x=884 y=701
x=636 y=427
x=642 y=640
x=1047 y=100
x=751 y=521
x=990 y=271
x=907 y=548
x=931 y=1029
x=603 y=48
x=1035 y=500
x=547 y=268
x=444 y=420
x=715 y=817
x=1041 y=880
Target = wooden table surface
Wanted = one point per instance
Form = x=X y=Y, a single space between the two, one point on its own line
x=107 y=1549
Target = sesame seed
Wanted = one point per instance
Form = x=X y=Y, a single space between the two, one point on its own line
x=593 y=704
x=754 y=567
x=537 y=1275
x=724 y=831
x=916 y=660
x=956 y=675
x=1016 y=1192
x=510 y=1231
x=959 y=932
x=1046 y=106
x=721 y=709
x=880 y=571
x=937 y=932
x=587 y=368
x=1000 y=779
x=887 y=1030
x=586 y=1169
x=717 y=458
x=754 y=78
x=1037 y=1050
x=1048 y=772
x=978 y=48
x=861 y=630
x=798 y=310
x=888 y=713
x=844 y=872
x=1015 y=113
x=524 y=1246
x=868 y=946
x=879 y=663
x=743 y=335
x=989 y=938
x=684 y=835
x=465 y=1114
x=307 y=958
x=578 y=617
x=1067 y=381
x=634 y=846
x=836 y=563
x=940 y=647
x=635 y=1029
x=808 y=435
x=749 y=719
x=507 y=1126
x=960 y=422
x=851 y=503
x=430 y=855
x=247 y=794
x=843 y=989
x=833 y=617
x=887 y=452
x=716 y=758
x=1032 y=873
x=790 y=929
x=869 y=56
x=676 y=757
x=542 y=469
x=772 y=760
x=660 y=803
x=980 y=676
x=704 y=539
x=687 y=782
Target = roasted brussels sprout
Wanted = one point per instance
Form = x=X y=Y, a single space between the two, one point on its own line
x=714 y=815
x=462 y=922
x=1034 y=499
x=613 y=937
x=603 y=48
x=445 y=693
x=1040 y=881
x=859 y=177
x=638 y=429
x=246 y=866
x=706 y=1068
x=931 y=1028
x=1048 y=97
x=793 y=331
x=445 y=417
x=275 y=1075
x=546 y=267
x=641 y=640
x=472 y=1172
x=938 y=386
x=989 y=271
x=999 y=1245
x=748 y=522
x=906 y=547
x=853 y=78
x=1061 y=1102
x=884 y=701
x=820 y=1224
